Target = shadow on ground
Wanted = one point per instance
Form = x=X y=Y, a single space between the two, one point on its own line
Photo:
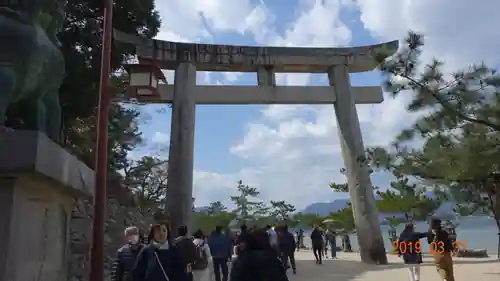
x=341 y=270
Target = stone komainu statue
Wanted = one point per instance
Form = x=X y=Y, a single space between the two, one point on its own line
x=32 y=66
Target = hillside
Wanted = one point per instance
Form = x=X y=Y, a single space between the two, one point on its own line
x=324 y=208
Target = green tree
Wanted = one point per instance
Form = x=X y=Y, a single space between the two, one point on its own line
x=461 y=98
x=246 y=205
x=123 y=132
x=310 y=220
x=207 y=222
x=407 y=198
x=281 y=209
x=460 y=129
x=293 y=222
x=216 y=207
x=342 y=221
x=147 y=179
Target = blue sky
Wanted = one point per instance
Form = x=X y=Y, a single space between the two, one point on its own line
x=292 y=152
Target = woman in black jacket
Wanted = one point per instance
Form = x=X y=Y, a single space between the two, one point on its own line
x=258 y=261
x=160 y=260
x=409 y=247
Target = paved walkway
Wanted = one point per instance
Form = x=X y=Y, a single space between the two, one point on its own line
x=349 y=267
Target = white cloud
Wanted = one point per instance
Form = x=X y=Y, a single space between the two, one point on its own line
x=459 y=32
x=293 y=151
x=199 y=19
x=283 y=111
x=160 y=137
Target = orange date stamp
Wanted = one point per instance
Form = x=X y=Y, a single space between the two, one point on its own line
x=435 y=247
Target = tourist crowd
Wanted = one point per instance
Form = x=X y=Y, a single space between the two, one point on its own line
x=254 y=254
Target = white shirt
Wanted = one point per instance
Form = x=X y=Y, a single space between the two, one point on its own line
x=206 y=248
x=273 y=237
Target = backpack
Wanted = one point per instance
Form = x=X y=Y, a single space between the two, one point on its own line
x=201 y=259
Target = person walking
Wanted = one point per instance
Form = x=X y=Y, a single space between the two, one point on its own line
x=441 y=247
x=241 y=239
x=202 y=264
x=287 y=249
x=220 y=249
x=127 y=255
x=331 y=240
x=346 y=243
x=160 y=260
x=325 y=244
x=273 y=236
x=317 y=244
x=258 y=261
x=408 y=247
x=297 y=241
x=301 y=238
x=186 y=248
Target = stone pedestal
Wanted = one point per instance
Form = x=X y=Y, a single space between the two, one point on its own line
x=38 y=183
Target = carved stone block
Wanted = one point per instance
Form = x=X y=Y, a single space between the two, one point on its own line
x=38 y=183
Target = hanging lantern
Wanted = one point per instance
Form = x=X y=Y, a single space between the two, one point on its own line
x=144 y=79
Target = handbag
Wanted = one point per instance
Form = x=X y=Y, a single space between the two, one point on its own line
x=161 y=267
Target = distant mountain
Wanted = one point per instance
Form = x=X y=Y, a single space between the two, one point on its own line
x=201 y=209
x=324 y=208
x=445 y=211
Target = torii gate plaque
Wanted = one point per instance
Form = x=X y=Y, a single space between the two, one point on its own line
x=184 y=94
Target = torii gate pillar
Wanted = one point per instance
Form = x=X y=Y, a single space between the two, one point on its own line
x=181 y=151
x=365 y=212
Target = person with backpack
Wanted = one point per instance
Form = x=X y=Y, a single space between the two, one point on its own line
x=159 y=261
x=258 y=261
x=220 y=248
x=186 y=248
x=202 y=263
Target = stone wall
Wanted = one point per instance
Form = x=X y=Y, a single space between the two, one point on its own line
x=119 y=216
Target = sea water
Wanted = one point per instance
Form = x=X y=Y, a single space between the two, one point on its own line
x=474 y=232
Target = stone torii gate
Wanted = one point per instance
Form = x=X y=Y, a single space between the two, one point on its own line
x=184 y=94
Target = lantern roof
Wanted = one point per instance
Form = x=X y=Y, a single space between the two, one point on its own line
x=145 y=65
